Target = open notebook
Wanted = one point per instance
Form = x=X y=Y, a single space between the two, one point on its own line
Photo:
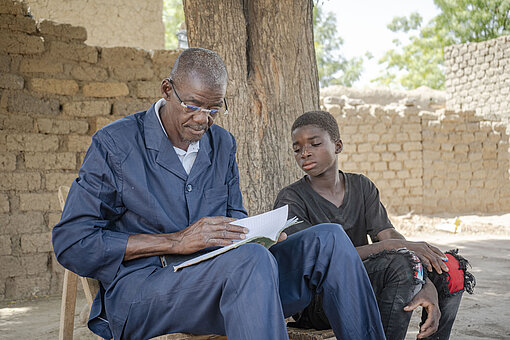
x=264 y=229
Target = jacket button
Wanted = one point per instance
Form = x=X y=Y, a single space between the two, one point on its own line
x=189 y=188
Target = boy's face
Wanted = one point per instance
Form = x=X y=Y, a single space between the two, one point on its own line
x=314 y=150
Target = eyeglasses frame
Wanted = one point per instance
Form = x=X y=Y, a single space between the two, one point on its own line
x=197 y=108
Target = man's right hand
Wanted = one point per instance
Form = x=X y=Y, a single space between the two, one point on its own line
x=209 y=232
x=204 y=233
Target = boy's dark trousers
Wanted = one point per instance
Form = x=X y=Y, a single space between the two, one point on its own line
x=394 y=280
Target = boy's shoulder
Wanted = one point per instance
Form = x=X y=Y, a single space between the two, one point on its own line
x=298 y=188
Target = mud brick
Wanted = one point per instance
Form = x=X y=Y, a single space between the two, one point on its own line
x=40 y=65
x=32 y=142
x=11 y=81
x=20 y=43
x=25 y=103
x=123 y=56
x=87 y=108
x=50 y=160
x=20 y=181
x=54 y=86
x=64 y=31
x=105 y=90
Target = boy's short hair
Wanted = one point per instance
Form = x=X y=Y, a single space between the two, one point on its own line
x=321 y=119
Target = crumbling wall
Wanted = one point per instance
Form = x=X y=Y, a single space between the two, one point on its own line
x=112 y=23
x=426 y=162
x=55 y=92
x=478 y=78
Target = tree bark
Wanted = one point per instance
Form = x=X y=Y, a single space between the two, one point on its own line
x=267 y=46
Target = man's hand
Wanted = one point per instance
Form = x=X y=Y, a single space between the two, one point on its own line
x=427 y=298
x=430 y=256
x=210 y=232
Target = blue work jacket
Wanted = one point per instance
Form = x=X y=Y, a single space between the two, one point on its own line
x=132 y=182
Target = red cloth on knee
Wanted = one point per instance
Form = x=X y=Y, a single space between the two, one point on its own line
x=455 y=275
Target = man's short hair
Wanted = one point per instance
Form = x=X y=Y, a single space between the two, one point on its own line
x=321 y=119
x=200 y=63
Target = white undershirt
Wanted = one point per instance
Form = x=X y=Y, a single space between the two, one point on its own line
x=188 y=157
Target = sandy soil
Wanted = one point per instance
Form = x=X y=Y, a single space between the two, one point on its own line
x=484 y=240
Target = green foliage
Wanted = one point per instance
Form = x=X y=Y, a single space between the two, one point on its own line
x=421 y=61
x=173 y=18
x=333 y=68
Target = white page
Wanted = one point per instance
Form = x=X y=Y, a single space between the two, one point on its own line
x=267 y=224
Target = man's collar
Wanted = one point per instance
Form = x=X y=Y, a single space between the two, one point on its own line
x=193 y=147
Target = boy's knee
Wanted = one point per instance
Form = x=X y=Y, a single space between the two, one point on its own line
x=457 y=279
x=402 y=267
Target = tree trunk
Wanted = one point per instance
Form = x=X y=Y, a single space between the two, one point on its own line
x=267 y=46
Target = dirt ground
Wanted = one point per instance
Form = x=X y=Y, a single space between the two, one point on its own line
x=484 y=240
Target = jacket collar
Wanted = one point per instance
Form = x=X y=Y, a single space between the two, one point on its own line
x=156 y=139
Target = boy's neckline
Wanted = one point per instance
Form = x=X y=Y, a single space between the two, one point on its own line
x=345 y=184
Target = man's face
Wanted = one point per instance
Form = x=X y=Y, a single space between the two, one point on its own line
x=314 y=150
x=185 y=126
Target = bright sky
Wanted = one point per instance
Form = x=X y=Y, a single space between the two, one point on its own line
x=362 y=25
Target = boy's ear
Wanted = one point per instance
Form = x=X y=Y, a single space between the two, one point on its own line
x=339 y=146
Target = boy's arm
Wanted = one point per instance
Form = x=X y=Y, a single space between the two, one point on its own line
x=296 y=208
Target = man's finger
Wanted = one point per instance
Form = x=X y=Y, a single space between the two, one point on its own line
x=228 y=235
x=217 y=242
x=236 y=228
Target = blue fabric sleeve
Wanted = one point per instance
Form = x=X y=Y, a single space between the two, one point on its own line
x=84 y=240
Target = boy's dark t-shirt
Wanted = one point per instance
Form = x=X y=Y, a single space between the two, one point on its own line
x=360 y=214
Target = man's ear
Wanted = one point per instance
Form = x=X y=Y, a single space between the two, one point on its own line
x=339 y=146
x=166 y=88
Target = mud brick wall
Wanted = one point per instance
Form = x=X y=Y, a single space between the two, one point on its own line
x=426 y=162
x=112 y=23
x=466 y=163
x=478 y=78
x=55 y=92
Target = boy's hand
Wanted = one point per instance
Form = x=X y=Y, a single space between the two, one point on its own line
x=427 y=298
x=430 y=256
x=282 y=237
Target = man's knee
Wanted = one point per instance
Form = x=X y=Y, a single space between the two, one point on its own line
x=329 y=239
x=253 y=256
x=328 y=230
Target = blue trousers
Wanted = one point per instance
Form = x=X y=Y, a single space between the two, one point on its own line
x=247 y=292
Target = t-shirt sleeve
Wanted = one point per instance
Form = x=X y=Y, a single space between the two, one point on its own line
x=376 y=216
x=297 y=207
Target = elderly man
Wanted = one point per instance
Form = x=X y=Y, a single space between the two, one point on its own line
x=165 y=182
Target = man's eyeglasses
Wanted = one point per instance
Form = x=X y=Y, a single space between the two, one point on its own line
x=192 y=108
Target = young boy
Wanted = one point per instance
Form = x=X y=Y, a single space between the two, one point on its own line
x=394 y=265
